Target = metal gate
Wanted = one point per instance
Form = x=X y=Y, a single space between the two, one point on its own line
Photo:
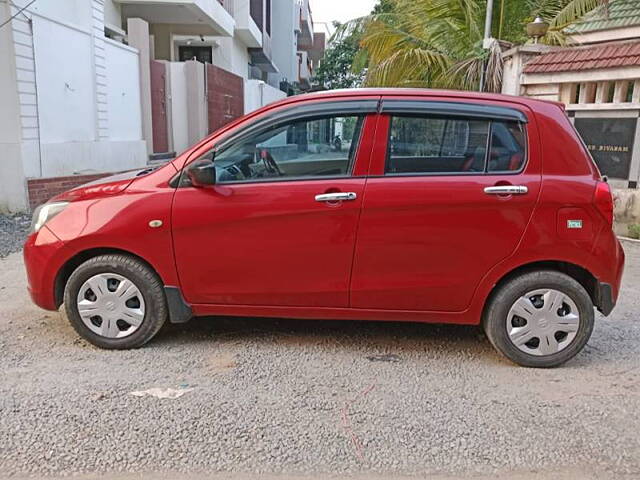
x=159 y=107
x=225 y=97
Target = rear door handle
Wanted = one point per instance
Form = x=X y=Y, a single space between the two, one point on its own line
x=337 y=197
x=507 y=190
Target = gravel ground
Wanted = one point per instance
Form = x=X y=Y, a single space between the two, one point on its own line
x=13 y=231
x=275 y=397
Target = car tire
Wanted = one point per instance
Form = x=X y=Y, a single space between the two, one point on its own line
x=129 y=309
x=549 y=302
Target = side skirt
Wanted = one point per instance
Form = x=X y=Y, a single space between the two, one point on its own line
x=329 y=313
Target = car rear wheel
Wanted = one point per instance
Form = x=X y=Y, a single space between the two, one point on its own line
x=539 y=319
x=115 y=302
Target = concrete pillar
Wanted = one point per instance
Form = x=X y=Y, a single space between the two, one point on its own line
x=634 y=168
x=636 y=92
x=196 y=101
x=13 y=191
x=568 y=92
x=602 y=92
x=620 y=93
x=138 y=37
x=587 y=92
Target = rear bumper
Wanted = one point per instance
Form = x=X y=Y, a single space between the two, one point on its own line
x=607 y=292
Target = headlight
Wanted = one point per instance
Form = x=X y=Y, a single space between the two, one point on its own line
x=46 y=212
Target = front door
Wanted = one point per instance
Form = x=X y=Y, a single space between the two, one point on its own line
x=451 y=196
x=279 y=227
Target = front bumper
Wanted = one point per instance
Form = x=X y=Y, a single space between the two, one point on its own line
x=44 y=255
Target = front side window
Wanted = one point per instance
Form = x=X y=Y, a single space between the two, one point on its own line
x=452 y=145
x=298 y=149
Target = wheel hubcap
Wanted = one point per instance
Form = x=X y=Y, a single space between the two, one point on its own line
x=111 y=305
x=543 y=322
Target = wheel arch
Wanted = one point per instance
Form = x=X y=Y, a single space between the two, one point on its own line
x=79 y=258
x=580 y=274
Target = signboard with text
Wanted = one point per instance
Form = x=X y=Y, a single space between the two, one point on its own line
x=611 y=142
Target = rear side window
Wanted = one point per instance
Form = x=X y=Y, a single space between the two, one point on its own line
x=451 y=145
x=436 y=145
x=508 y=147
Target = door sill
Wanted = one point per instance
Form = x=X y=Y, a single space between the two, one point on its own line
x=330 y=313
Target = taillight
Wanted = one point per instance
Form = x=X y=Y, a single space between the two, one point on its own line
x=603 y=201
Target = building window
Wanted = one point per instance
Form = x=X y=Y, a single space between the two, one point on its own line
x=611 y=91
x=202 y=54
x=630 y=89
x=256 y=12
x=268 y=20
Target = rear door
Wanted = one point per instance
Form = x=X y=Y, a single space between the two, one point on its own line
x=451 y=189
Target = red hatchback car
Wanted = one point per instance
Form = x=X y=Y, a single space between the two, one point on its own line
x=411 y=205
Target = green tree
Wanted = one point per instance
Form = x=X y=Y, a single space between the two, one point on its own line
x=336 y=69
x=344 y=64
x=383 y=6
x=438 y=43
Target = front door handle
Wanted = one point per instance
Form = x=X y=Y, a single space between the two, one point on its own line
x=337 y=197
x=506 y=190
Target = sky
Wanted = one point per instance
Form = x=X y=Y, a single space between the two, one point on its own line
x=340 y=10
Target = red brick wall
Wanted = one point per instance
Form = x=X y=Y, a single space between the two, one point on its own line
x=226 y=97
x=42 y=189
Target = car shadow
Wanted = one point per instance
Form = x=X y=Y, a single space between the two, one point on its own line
x=347 y=335
x=362 y=337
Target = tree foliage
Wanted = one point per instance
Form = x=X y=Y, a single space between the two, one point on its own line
x=344 y=63
x=336 y=69
x=439 y=43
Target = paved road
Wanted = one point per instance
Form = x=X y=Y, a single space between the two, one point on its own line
x=281 y=397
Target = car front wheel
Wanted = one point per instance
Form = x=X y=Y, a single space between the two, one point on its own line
x=539 y=319
x=115 y=302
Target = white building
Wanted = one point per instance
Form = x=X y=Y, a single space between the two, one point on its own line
x=296 y=47
x=91 y=87
x=285 y=41
x=69 y=96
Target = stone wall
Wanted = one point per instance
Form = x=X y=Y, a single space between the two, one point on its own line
x=627 y=209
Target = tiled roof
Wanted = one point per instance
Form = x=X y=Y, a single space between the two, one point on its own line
x=614 y=14
x=610 y=55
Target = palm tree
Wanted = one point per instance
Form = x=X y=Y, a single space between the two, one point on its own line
x=438 y=43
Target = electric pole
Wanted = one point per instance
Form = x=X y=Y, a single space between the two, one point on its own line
x=487 y=36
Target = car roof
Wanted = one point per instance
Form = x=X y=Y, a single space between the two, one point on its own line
x=372 y=93
x=415 y=92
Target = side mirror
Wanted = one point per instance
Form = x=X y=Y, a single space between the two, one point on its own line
x=202 y=173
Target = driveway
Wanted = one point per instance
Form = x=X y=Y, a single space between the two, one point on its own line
x=278 y=399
